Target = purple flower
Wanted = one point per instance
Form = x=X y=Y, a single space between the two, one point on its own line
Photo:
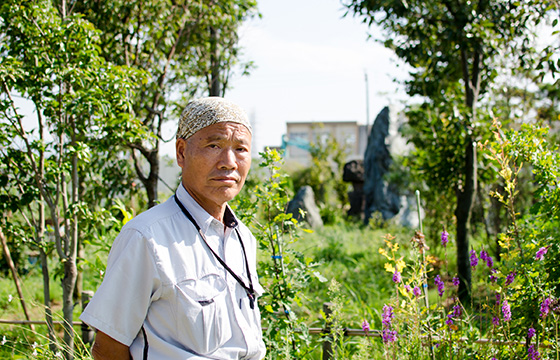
x=397 y=277
x=416 y=291
x=510 y=278
x=474 y=259
x=387 y=315
x=498 y=298
x=489 y=261
x=388 y=334
x=457 y=310
x=545 y=307
x=531 y=332
x=533 y=354
x=449 y=320
x=506 y=311
x=456 y=281
x=540 y=253
x=407 y=288
x=365 y=326
x=495 y=321
x=439 y=284
x=483 y=255
x=444 y=238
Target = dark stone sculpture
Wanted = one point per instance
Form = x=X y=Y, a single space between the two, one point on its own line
x=379 y=195
x=354 y=173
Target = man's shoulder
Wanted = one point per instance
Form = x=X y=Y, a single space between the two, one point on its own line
x=153 y=216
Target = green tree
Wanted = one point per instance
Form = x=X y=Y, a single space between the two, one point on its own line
x=451 y=47
x=188 y=48
x=324 y=175
x=82 y=104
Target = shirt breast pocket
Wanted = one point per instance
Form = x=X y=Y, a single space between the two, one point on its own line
x=203 y=323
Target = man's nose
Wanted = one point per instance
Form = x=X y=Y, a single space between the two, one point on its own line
x=228 y=160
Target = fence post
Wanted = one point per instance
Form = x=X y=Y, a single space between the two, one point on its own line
x=327 y=342
x=87 y=332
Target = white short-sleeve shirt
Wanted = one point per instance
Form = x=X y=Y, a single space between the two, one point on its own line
x=161 y=276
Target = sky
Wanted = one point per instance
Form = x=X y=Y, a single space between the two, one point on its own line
x=310 y=65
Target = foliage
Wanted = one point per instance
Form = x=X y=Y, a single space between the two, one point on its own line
x=449 y=42
x=453 y=49
x=283 y=272
x=514 y=300
x=437 y=160
x=188 y=48
x=534 y=232
x=82 y=109
x=386 y=287
x=517 y=299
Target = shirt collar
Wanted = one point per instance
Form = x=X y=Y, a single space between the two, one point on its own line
x=201 y=216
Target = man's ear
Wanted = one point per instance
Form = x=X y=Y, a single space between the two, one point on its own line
x=180 y=145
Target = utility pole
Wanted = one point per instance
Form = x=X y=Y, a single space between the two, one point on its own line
x=367 y=102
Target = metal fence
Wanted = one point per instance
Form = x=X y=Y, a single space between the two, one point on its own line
x=328 y=350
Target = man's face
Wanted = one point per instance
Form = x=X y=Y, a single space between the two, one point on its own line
x=215 y=162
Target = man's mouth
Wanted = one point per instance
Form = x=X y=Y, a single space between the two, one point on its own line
x=226 y=179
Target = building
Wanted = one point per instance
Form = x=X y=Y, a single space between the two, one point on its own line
x=299 y=135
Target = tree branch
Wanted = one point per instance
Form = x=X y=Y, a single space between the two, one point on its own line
x=137 y=166
x=36 y=173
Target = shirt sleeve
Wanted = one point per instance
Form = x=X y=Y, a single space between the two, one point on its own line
x=131 y=283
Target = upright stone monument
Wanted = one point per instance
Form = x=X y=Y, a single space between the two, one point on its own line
x=381 y=196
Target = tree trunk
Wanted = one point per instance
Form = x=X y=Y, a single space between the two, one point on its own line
x=78 y=289
x=70 y=268
x=15 y=276
x=47 y=300
x=465 y=199
x=151 y=182
x=215 y=83
x=68 y=284
x=45 y=269
x=467 y=191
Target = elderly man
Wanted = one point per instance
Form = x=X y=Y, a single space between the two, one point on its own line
x=181 y=279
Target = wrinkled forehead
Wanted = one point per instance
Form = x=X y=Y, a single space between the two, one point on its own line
x=223 y=131
x=201 y=113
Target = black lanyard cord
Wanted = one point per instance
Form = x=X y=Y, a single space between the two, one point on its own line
x=248 y=289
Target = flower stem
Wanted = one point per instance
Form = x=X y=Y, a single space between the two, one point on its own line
x=556 y=326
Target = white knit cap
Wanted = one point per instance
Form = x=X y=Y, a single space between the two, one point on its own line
x=204 y=112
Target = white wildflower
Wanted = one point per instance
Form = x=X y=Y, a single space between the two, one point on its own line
x=10 y=298
x=4 y=340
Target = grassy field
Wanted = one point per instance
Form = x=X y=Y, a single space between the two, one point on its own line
x=22 y=341
x=347 y=253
